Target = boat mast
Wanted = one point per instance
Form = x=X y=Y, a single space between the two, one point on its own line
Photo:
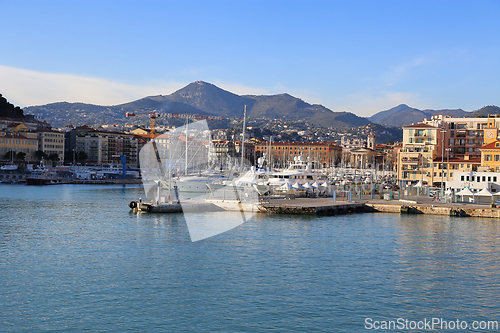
x=186 y=159
x=243 y=138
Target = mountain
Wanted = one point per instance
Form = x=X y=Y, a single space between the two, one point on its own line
x=212 y=99
x=485 y=111
x=199 y=98
x=402 y=115
x=383 y=114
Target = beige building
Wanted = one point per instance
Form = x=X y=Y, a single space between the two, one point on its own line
x=51 y=142
x=436 y=148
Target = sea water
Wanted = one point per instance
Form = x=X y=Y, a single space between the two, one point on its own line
x=74 y=258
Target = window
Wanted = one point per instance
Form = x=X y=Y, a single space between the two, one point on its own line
x=497 y=157
x=489 y=178
x=484 y=178
x=487 y=157
x=494 y=178
x=462 y=178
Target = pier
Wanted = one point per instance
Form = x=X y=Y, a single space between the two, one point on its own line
x=310 y=206
x=326 y=206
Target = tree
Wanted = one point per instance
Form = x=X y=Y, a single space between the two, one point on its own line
x=10 y=155
x=40 y=155
x=81 y=156
x=20 y=156
x=54 y=158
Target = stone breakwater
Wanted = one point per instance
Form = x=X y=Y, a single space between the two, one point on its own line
x=437 y=209
x=326 y=206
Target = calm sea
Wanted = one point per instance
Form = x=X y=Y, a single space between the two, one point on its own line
x=74 y=258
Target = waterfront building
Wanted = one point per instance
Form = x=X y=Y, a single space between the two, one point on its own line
x=21 y=142
x=325 y=154
x=475 y=181
x=435 y=149
x=490 y=156
x=51 y=142
x=103 y=148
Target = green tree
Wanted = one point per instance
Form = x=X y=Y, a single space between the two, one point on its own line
x=40 y=155
x=81 y=156
x=10 y=155
x=21 y=156
x=54 y=158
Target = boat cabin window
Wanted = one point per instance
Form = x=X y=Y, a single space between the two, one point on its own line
x=309 y=177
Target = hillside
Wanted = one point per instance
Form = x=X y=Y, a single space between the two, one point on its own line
x=200 y=98
x=377 y=117
x=402 y=115
x=8 y=110
x=485 y=111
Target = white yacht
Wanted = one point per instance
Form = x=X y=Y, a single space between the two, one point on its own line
x=299 y=172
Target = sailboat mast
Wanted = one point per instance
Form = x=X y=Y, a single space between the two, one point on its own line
x=243 y=138
x=186 y=159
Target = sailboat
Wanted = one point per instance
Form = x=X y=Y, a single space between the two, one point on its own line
x=11 y=166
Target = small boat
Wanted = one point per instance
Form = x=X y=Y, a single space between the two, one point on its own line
x=9 y=167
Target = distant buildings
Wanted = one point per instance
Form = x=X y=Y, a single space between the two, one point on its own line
x=102 y=147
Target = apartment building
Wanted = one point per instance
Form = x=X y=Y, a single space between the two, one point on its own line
x=103 y=148
x=437 y=148
x=51 y=142
x=21 y=142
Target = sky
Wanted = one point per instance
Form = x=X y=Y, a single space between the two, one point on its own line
x=358 y=56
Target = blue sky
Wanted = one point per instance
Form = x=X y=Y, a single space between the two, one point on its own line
x=358 y=56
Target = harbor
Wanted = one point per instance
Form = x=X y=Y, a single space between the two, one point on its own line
x=90 y=249
x=328 y=207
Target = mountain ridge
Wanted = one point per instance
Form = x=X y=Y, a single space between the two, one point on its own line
x=203 y=98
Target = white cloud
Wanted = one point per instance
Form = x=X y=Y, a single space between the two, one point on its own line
x=24 y=88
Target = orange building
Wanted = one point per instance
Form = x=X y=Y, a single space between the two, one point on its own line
x=325 y=154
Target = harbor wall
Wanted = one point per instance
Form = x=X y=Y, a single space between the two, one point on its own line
x=486 y=212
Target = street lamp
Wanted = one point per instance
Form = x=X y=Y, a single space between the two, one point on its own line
x=442 y=161
x=448 y=165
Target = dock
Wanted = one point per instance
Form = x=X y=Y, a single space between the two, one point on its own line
x=328 y=207
x=310 y=206
x=420 y=205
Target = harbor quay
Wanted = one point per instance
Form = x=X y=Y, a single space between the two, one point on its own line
x=326 y=206
x=409 y=205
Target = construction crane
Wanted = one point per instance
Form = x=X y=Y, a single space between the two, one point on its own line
x=153 y=115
